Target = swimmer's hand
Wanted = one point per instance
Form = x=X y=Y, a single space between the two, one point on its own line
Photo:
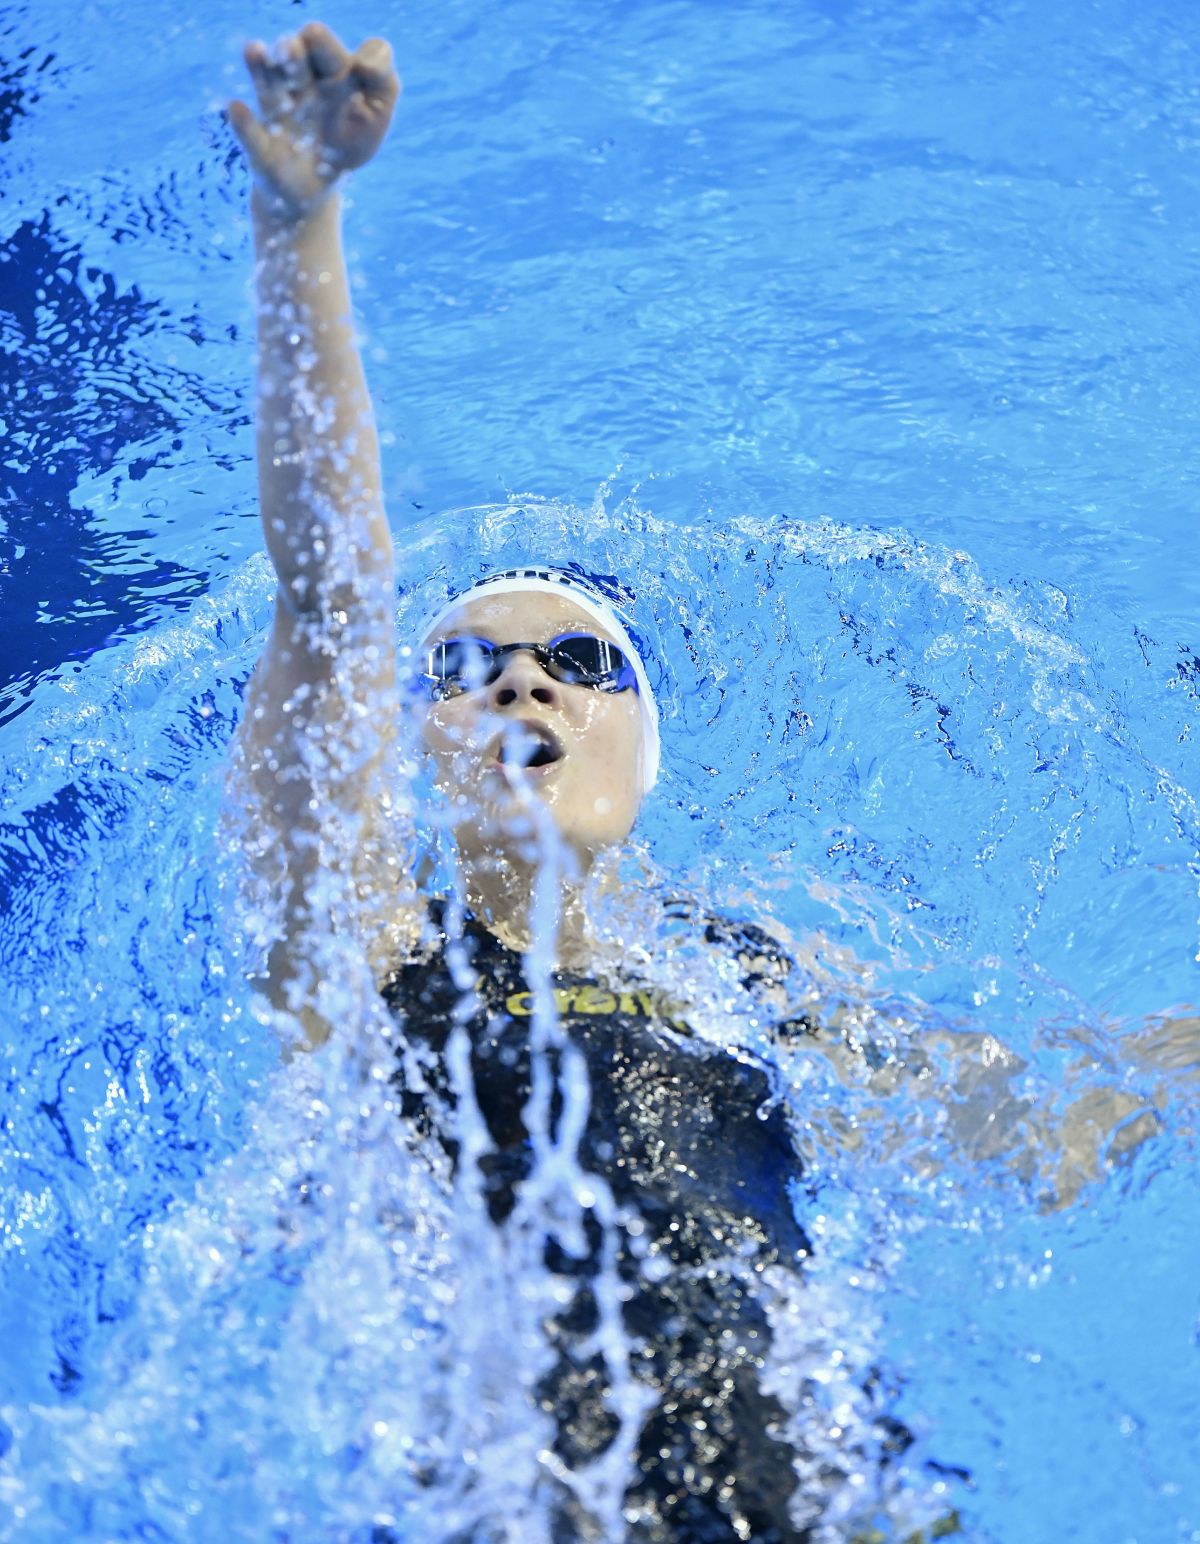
x=324 y=111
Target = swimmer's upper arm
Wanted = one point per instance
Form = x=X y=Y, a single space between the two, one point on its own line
x=319 y=720
x=310 y=786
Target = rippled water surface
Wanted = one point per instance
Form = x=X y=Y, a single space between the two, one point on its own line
x=859 y=341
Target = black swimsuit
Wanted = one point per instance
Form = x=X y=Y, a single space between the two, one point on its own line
x=696 y=1151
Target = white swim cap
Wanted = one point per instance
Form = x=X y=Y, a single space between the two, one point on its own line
x=589 y=597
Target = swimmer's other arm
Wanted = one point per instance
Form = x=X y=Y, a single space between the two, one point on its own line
x=319 y=710
x=1113 y=1099
x=987 y=1103
x=1059 y=1139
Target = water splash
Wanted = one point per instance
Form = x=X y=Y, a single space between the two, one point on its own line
x=245 y=1306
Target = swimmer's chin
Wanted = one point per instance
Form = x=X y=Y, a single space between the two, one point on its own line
x=520 y=829
x=507 y=815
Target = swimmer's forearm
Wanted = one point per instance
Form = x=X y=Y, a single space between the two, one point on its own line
x=324 y=680
x=318 y=450
x=1168 y=1044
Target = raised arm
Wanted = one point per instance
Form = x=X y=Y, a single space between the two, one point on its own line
x=319 y=713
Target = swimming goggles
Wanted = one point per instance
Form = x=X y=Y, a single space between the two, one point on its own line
x=581 y=659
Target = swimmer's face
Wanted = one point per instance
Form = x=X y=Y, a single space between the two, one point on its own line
x=589 y=742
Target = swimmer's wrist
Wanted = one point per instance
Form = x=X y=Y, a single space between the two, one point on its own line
x=274 y=216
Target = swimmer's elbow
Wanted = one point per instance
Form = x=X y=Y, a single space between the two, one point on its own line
x=1100 y=1135
x=291 y=1011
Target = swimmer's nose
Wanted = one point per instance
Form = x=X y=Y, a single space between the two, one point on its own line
x=523 y=680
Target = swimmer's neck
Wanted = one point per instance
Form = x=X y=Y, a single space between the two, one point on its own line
x=520 y=904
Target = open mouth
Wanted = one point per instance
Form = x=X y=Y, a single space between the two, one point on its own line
x=528 y=746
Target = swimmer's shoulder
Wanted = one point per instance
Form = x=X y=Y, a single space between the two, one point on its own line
x=421 y=934
x=767 y=965
x=802 y=1006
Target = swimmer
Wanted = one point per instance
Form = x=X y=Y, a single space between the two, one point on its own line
x=531 y=697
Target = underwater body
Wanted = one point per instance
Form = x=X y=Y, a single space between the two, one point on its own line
x=858 y=342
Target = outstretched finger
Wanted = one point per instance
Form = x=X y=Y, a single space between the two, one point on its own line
x=327 y=54
x=374 y=72
x=292 y=58
x=270 y=81
x=250 y=134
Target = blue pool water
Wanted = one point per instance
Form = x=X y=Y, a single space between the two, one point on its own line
x=859 y=339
